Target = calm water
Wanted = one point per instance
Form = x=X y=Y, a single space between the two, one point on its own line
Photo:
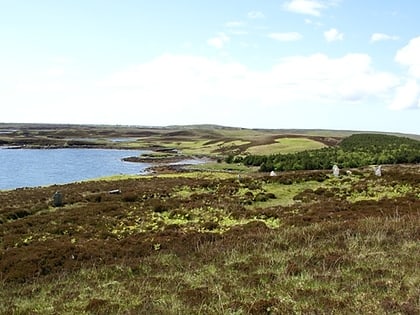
x=32 y=167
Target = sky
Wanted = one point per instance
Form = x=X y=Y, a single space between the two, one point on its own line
x=304 y=64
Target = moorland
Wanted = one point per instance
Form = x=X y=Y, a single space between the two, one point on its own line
x=222 y=237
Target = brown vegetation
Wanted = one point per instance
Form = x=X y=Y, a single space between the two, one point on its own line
x=217 y=244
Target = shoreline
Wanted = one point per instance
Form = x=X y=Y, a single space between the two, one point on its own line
x=154 y=166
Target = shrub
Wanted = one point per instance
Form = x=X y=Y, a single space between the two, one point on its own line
x=210 y=226
x=158 y=206
x=261 y=197
x=129 y=197
x=271 y=196
x=18 y=214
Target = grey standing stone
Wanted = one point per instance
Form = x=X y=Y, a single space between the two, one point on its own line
x=57 y=199
x=336 y=171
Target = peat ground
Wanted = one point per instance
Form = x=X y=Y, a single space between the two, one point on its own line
x=215 y=243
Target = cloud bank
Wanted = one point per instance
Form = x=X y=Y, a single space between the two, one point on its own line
x=409 y=56
x=333 y=35
x=218 y=41
x=172 y=84
x=285 y=37
x=193 y=89
x=407 y=95
x=377 y=37
x=308 y=7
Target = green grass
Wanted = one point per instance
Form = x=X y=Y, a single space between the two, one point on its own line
x=204 y=147
x=286 y=145
x=285 y=193
x=206 y=174
x=364 y=187
x=324 y=268
x=222 y=166
x=190 y=147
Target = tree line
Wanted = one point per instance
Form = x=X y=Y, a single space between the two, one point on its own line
x=354 y=151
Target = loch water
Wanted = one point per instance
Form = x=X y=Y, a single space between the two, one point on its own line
x=41 y=167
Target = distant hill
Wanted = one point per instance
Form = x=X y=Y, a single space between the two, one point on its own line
x=315 y=132
x=311 y=132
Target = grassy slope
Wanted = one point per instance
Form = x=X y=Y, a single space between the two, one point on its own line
x=286 y=145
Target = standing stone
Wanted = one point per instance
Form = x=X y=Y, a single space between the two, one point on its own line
x=57 y=199
x=336 y=171
x=378 y=170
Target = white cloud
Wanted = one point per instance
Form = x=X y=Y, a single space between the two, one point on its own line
x=60 y=66
x=190 y=89
x=376 y=37
x=62 y=60
x=238 y=32
x=409 y=56
x=349 y=78
x=333 y=35
x=407 y=96
x=188 y=81
x=234 y=24
x=256 y=15
x=235 y=28
x=285 y=37
x=56 y=71
x=310 y=7
x=218 y=41
x=311 y=22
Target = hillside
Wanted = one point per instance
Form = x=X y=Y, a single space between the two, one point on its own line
x=301 y=242
x=216 y=238
x=213 y=140
x=357 y=150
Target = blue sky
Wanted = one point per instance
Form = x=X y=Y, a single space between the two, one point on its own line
x=324 y=64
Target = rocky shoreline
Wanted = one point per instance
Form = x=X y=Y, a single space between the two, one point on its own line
x=156 y=160
x=166 y=164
